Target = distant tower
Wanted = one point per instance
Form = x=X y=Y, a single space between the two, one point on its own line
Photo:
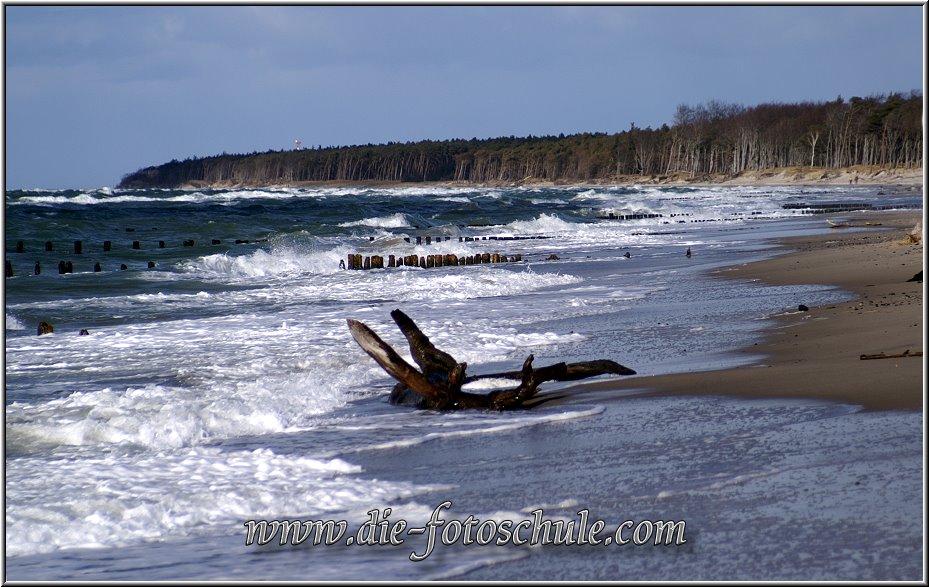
x=299 y=144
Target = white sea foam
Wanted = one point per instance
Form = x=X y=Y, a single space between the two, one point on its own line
x=14 y=323
x=510 y=340
x=106 y=196
x=428 y=191
x=81 y=199
x=235 y=375
x=279 y=262
x=251 y=370
x=121 y=498
x=288 y=260
x=158 y=417
x=545 y=224
x=398 y=220
x=477 y=425
x=323 y=280
x=655 y=198
x=696 y=205
x=561 y=505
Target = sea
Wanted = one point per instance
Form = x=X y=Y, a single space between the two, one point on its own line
x=200 y=391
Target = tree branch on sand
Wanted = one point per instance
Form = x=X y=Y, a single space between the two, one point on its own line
x=438 y=385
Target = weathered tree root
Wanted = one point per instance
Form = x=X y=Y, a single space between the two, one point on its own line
x=438 y=385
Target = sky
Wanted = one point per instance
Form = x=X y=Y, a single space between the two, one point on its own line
x=93 y=93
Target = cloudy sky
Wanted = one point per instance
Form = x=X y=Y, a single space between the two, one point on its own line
x=93 y=93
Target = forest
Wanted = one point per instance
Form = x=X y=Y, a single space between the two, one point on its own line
x=710 y=139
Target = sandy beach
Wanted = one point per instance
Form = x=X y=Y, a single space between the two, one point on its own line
x=892 y=178
x=816 y=353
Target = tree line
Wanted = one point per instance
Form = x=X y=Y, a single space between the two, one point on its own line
x=706 y=139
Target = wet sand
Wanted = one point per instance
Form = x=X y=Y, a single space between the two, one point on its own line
x=816 y=354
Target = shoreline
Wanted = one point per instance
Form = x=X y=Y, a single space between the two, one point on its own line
x=911 y=178
x=815 y=354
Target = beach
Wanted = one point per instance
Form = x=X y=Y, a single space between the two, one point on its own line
x=817 y=441
x=894 y=178
x=816 y=353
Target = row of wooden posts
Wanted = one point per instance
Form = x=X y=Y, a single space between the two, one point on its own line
x=467 y=239
x=356 y=261
x=137 y=245
x=65 y=267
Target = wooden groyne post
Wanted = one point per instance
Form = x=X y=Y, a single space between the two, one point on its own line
x=356 y=261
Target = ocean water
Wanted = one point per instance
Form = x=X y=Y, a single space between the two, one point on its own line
x=222 y=386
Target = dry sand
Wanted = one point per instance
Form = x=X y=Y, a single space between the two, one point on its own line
x=857 y=174
x=816 y=354
x=889 y=178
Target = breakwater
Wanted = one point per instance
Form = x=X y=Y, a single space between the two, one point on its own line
x=78 y=252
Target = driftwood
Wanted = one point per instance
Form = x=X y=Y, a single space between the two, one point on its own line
x=850 y=225
x=905 y=353
x=438 y=385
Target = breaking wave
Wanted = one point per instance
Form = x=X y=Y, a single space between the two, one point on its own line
x=398 y=220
